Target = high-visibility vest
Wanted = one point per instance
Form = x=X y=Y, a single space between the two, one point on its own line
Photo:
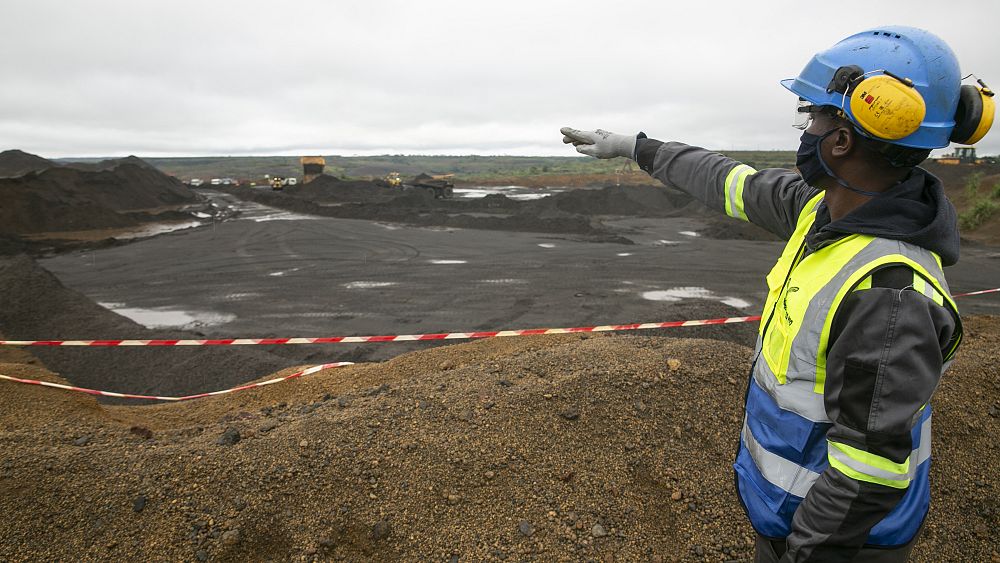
x=783 y=445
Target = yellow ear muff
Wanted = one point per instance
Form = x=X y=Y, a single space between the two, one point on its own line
x=887 y=107
x=974 y=115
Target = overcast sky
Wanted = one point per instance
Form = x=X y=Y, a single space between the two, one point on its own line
x=177 y=78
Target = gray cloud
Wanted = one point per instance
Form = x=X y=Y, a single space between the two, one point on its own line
x=254 y=77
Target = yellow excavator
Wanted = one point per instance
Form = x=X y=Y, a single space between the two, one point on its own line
x=393 y=180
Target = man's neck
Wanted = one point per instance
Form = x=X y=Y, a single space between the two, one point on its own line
x=841 y=201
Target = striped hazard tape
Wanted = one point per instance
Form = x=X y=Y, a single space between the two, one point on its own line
x=398 y=337
x=341 y=339
x=297 y=374
x=980 y=292
x=383 y=338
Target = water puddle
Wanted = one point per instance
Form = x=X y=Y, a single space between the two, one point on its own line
x=679 y=293
x=280 y=216
x=448 y=262
x=520 y=193
x=623 y=254
x=503 y=281
x=279 y=274
x=368 y=284
x=241 y=296
x=546 y=245
x=689 y=233
x=165 y=317
x=159 y=229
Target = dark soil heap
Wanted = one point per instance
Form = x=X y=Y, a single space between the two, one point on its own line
x=19 y=163
x=112 y=195
x=34 y=305
x=562 y=448
x=329 y=189
x=577 y=211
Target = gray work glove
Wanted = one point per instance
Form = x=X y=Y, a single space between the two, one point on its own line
x=600 y=143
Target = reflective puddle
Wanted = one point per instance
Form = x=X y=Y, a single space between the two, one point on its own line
x=679 y=293
x=368 y=284
x=163 y=317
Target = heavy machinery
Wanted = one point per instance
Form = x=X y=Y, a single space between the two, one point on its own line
x=277 y=183
x=312 y=167
x=393 y=180
x=440 y=184
x=962 y=155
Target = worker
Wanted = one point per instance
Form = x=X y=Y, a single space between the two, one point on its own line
x=858 y=325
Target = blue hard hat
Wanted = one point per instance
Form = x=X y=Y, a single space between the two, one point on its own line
x=906 y=52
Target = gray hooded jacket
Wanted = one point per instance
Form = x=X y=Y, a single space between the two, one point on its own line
x=885 y=353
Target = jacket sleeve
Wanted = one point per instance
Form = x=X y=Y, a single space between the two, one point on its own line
x=770 y=198
x=884 y=362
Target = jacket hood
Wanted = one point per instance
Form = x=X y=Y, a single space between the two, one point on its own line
x=914 y=211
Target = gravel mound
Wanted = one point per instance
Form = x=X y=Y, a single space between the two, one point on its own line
x=329 y=189
x=568 y=448
x=19 y=163
x=576 y=211
x=418 y=207
x=638 y=201
x=35 y=305
x=68 y=199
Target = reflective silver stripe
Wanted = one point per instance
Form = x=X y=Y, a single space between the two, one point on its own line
x=737 y=176
x=922 y=452
x=860 y=467
x=928 y=291
x=797 y=480
x=784 y=474
x=795 y=395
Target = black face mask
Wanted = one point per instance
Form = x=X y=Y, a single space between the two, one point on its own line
x=809 y=161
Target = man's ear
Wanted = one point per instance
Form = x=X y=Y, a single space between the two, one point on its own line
x=844 y=141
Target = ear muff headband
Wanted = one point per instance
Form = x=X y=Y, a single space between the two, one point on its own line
x=974 y=115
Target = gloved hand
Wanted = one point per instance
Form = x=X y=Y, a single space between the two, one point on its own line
x=600 y=143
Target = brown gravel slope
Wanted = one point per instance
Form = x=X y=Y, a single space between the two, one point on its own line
x=566 y=448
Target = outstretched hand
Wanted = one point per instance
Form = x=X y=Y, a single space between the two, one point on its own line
x=600 y=143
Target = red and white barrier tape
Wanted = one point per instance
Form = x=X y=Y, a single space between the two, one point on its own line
x=397 y=337
x=307 y=371
x=994 y=290
x=384 y=338
x=336 y=339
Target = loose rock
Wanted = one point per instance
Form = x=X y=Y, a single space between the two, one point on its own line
x=230 y=437
x=381 y=530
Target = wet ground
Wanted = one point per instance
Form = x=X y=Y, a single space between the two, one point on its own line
x=275 y=273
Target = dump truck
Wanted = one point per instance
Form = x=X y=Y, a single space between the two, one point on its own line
x=312 y=167
x=440 y=184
